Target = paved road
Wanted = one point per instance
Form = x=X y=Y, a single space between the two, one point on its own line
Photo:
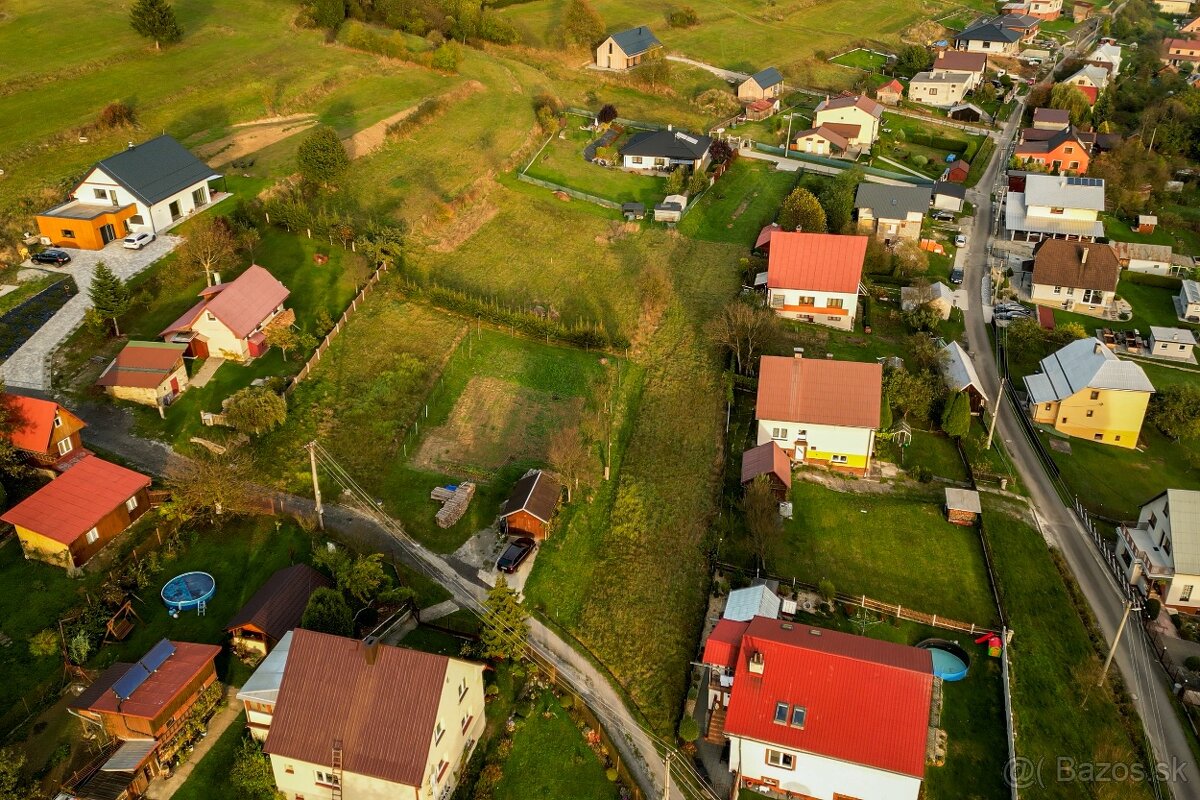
x=1136 y=662
x=110 y=428
x=27 y=368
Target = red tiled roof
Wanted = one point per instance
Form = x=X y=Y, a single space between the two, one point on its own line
x=866 y=701
x=819 y=391
x=384 y=713
x=142 y=365
x=819 y=262
x=762 y=104
x=764 y=236
x=163 y=685
x=767 y=459
x=33 y=422
x=71 y=504
x=892 y=86
x=241 y=305
x=961 y=61
x=722 y=645
x=845 y=130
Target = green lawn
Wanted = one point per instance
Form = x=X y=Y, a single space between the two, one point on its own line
x=893 y=548
x=860 y=59
x=209 y=779
x=433 y=641
x=737 y=206
x=551 y=759
x=1152 y=305
x=1054 y=665
x=562 y=163
x=933 y=450
x=1129 y=477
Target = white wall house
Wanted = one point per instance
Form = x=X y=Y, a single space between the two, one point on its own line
x=834 y=309
x=1053 y=206
x=860 y=111
x=939 y=88
x=817 y=776
x=1161 y=553
x=815 y=277
x=1187 y=302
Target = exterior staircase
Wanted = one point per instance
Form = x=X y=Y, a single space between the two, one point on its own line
x=716 y=726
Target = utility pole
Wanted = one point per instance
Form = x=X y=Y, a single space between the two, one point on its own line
x=312 y=462
x=995 y=414
x=667 y=783
x=1116 y=641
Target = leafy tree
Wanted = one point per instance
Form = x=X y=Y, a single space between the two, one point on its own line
x=79 y=648
x=109 y=295
x=328 y=13
x=447 y=56
x=11 y=783
x=210 y=247
x=655 y=69
x=743 y=331
x=504 y=624
x=924 y=355
x=911 y=394
x=763 y=522
x=1175 y=410
x=689 y=729
x=321 y=156
x=682 y=17
x=923 y=318
x=720 y=152
x=698 y=182
x=675 y=180
x=913 y=58
x=155 y=19
x=607 y=114
x=909 y=260
x=209 y=487
x=256 y=410
x=569 y=456
x=1073 y=100
x=251 y=775
x=986 y=93
x=801 y=211
x=582 y=26
x=956 y=416
x=328 y=612
x=837 y=198
x=885 y=414
x=286 y=338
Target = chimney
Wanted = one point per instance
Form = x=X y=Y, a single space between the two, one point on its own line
x=798 y=352
x=756 y=663
x=371 y=650
x=670 y=127
x=1083 y=256
x=1098 y=347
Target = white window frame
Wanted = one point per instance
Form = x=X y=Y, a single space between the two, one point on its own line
x=462 y=690
x=57 y=421
x=131 y=504
x=838 y=459
x=65 y=446
x=780 y=759
x=92 y=536
x=438 y=732
x=780 y=434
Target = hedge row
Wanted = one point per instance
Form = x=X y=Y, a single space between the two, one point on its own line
x=938 y=142
x=1149 y=279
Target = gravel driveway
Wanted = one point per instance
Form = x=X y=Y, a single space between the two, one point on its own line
x=28 y=367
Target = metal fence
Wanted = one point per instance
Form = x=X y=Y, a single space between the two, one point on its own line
x=835 y=163
x=567 y=190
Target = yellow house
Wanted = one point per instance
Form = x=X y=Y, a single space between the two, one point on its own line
x=150 y=373
x=1085 y=391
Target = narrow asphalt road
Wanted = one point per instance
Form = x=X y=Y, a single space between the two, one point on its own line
x=1145 y=680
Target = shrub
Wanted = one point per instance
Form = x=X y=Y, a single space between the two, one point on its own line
x=44 y=643
x=447 y=57
x=689 y=729
x=117 y=115
x=920 y=161
x=611 y=774
x=922 y=473
x=1152 y=609
x=1147 y=279
x=827 y=589
x=321 y=157
x=1192 y=663
x=682 y=17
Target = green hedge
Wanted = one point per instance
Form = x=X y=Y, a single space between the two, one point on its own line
x=938 y=142
x=1148 y=279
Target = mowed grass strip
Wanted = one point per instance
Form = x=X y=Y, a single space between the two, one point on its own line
x=888 y=547
x=561 y=162
x=739 y=204
x=1059 y=710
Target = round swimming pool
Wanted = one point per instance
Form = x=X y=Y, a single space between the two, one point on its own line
x=950 y=662
x=187 y=591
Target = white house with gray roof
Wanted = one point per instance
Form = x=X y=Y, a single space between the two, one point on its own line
x=958 y=370
x=1187 y=302
x=1161 y=552
x=892 y=212
x=626 y=49
x=1173 y=343
x=1055 y=207
x=665 y=150
x=939 y=88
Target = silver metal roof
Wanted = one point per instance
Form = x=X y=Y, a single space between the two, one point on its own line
x=959 y=370
x=941 y=76
x=1183 y=509
x=1017 y=218
x=263 y=685
x=129 y=756
x=963 y=500
x=1085 y=364
x=1177 y=335
x=1190 y=291
x=744 y=605
x=1058 y=191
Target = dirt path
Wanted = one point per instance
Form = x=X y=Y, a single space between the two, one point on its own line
x=254 y=136
x=371 y=138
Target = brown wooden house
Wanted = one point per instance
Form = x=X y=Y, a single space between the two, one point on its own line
x=531 y=506
x=275 y=608
x=44 y=431
x=768 y=459
x=122 y=772
x=962 y=506
x=154 y=697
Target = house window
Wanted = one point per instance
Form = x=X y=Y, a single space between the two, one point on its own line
x=1070 y=291
x=466 y=722
x=776 y=300
x=462 y=690
x=781 y=713
x=932 y=92
x=1093 y=296
x=806 y=300
x=778 y=758
x=1058 y=290
x=92 y=536
x=65 y=446
x=328 y=778
x=289 y=769
x=779 y=433
x=1116 y=438
x=635 y=159
x=798 y=715
x=100 y=194
x=208 y=315
x=57 y=421
x=1095 y=395
x=68 y=234
x=1165 y=544
x=1099 y=437
x=438 y=732
x=1153 y=520
x=835 y=302
x=1128 y=559
x=838 y=459
x=442 y=766
x=1186 y=594
x=1068 y=150
x=1090 y=412
x=834 y=319
x=1047 y=406
x=1064 y=420
x=131 y=503
x=1074 y=165
x=1056 y=211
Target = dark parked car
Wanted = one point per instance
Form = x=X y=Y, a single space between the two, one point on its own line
x=57 y=257
x=956 y=275
x=515 y=554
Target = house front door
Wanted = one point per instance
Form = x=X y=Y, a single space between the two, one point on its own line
x=174 y=210
x=174 y=385
x=107 y=233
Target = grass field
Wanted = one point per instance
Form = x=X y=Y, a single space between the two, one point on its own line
x=903 y=140
x=1054 y=666
x=860 y=59
x=562 y=162
x=209 y=779
x=737 y=206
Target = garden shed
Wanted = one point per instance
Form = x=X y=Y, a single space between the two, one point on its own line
x=962 y=506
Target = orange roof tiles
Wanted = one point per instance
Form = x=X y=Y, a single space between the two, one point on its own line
x=820 y=262
x=819 y=391
x=161 y=687
x=33 y=422
x=240 y=305
x=143 y=365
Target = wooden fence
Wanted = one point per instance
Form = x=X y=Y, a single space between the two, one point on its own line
x=308 y=367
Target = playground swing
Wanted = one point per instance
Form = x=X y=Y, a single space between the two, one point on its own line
x=121 y=624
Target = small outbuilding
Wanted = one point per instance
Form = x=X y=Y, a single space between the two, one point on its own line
x=275 y=608
x=1146 y=223
x=949 y=196
x=768 y=459
x=150 y=373
x=743 y=605
x=763 y=243
x=962 y=506
x=632 y=211
x=670 y=210
x=1174 y=343
x=531 y=506
x=958 y=171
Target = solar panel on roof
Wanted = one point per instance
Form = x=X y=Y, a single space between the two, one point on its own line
x=128 y=683
x=1085 y=181
x=157 y=655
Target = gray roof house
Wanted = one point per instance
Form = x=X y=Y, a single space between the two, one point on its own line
x=892 y=212
x=958 y=370
x=665 y=149
x=949 y=196
x=989 y=35
x=1084 y=364
x=155 y=170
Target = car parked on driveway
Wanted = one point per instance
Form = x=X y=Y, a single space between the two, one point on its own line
x=56 y=257
x=960 y=241
x=956 y=275
x=137 y=241
x=515 y=554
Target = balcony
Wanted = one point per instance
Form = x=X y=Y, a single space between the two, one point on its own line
x=1155 y=562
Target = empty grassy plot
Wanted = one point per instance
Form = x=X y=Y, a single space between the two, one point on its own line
x=858 y=58
x=561 y=162
x=893 y=548
x=739 y=204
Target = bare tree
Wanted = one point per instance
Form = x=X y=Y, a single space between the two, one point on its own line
x=211 y=246
x=568 y=455
x=762 y=517
x=744 y=331
x=209 y=487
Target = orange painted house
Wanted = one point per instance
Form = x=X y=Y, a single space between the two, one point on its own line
x=44 y=431
x=1058 y=151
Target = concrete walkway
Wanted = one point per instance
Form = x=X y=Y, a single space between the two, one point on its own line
x=206 y=371
x=165 y=788
x=28 y=368
x=436 y=612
